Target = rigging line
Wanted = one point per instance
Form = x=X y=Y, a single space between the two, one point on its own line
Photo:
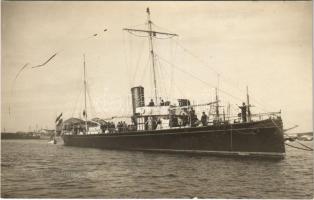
x=94 y=102
x=145 y=68
x=197 y=57
x=76 y=102
x=162 y=74
x=137 y=25
x=165 y=38
x=167 y=30
x=201 y=60
x=158 y=79
x=138 y=61
x=97 y=104
x=128 y=50
x=185 y=85
x=126 y=57
x=137 y=35
x=200 y=79
x=305 y=146
x=259 y=103
x=178 y=88
x=162 y=79
x=91 y=103
x=173 y=56
x=232 y=83
x=297 y=147
x=165 y=74
x=182 y=80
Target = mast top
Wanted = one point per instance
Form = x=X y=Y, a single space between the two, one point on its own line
x=150 y=32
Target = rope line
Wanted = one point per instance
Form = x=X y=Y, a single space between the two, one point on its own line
x=138 y=62
x=231 y=82
x=305 y=146
x=137 y=35
x=298 y=147
x=227 y=93
x=160 y=38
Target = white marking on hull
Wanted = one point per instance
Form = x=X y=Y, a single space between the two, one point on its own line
x=237 y=153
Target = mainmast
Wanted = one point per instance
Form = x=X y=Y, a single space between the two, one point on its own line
x=85 y=110
x=151 y=33
x=149 y=23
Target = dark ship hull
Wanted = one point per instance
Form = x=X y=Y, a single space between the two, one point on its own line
x=255 y=139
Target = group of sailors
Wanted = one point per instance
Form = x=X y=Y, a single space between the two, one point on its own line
x=189 y=119
x=162 y=103
x=107 y=126
x=183 y=120
x=122 y=126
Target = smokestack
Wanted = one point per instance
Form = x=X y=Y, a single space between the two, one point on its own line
x=137 y=97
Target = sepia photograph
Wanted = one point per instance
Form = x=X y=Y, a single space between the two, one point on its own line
x=157 y=99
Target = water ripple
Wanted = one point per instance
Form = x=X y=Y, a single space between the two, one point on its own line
x=34 y=169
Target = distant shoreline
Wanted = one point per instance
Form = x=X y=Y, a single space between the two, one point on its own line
x=19 y=135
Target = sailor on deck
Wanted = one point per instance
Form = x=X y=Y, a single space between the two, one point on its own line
x=243 y=112
x=193 y=118
x=151 y=103
x=185 y=119
x=162 y=103
x=204 y=119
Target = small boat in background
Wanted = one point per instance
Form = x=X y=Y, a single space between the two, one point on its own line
x=52 y=139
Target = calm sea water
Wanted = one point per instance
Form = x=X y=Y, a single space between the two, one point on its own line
x=36 y=169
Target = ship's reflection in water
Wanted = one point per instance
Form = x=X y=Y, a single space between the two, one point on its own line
x=36 y=169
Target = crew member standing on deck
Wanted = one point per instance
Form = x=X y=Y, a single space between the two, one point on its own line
x=193 y=118
x=162 y=103
x=151 y=103
x=243 y=112
x=204 y=119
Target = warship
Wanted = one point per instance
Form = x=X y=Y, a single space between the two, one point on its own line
x=173 y=127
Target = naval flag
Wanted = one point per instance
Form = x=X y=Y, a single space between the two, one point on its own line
x=58 y=117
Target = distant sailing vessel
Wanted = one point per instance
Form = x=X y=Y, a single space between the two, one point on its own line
x=170 y=127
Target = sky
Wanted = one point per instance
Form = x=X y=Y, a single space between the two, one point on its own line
x=266 y=46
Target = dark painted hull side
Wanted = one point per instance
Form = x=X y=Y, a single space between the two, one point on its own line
x=263 y=138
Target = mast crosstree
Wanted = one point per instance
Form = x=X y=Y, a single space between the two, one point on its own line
x=151 y=34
